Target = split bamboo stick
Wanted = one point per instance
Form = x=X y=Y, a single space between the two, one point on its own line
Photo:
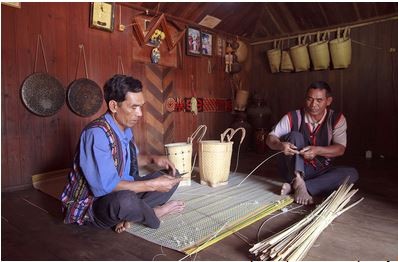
x=294 y=242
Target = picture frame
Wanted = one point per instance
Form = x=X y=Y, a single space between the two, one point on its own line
x=12 y=4
x=102 y=16
x=207 y=43
x=193 y=41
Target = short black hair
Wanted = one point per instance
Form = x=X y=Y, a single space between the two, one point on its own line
x=321 y=85
x=117 y=87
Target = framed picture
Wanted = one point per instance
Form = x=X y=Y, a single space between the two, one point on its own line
x=194 y=46
x=102 y=16
x=207 y=44
x=12 y=4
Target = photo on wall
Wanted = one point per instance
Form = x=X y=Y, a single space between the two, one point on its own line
x=207 y=44
x=193 y=41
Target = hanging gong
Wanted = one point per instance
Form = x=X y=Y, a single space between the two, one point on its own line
x=84 y=97
x=42 y=94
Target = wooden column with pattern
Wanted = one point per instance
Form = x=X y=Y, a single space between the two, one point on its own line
x=159 y=123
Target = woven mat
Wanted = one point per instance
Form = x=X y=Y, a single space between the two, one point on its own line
x=214 y=213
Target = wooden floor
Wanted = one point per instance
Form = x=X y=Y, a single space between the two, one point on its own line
x=32 y=228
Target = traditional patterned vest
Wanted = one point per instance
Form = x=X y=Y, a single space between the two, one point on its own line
x=321 y=136
x=77 y=198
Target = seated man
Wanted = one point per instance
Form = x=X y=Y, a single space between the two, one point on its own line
x=104 y=187
x=309 y=138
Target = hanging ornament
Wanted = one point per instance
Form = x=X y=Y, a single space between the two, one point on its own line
x=155 y=55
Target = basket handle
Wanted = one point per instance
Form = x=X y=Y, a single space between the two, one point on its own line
x=347 y=32
x=226 y=134
x=326 y=33
x=234 y=132
x=338 y=33
x=194 y=134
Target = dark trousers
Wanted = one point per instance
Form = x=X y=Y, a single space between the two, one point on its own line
x=319 y=179
x=126 y=205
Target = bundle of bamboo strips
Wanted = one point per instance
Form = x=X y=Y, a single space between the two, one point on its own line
x=294 y=242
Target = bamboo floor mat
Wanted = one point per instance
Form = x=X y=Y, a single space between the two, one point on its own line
x=212 y=214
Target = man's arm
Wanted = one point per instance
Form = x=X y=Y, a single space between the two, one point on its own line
x=161 y=161
x=161 y=184
x=275 y=143
x=335 y=150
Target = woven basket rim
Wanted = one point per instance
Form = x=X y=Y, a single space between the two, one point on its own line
x=177 y=144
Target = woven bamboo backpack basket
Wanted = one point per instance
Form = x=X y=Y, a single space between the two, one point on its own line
x=299 y=54
x=180 y=154
x=319 y=52
x=340 y=49
x=286 y=61
x=274 y=58
x=215 y=158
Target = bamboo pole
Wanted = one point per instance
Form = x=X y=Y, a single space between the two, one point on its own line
x=332 y=29
x=294 y=242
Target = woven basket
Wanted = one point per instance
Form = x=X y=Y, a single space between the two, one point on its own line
x=319 y=52
x=286 y=64
x=241 y=100
x=340 y=49
x=274 y=58
x=215 y=158
x=180 y=154
x=286 y=61
x=299 y=55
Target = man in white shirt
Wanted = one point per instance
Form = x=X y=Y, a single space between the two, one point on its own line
x=310 y=138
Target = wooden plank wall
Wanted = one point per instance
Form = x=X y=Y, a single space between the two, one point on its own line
x=33 y=144
x=367 y=92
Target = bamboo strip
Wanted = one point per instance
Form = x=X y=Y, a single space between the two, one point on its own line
x=272 y=208
x=294 y=242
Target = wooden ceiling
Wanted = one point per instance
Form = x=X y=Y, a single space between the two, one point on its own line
x=260 y=21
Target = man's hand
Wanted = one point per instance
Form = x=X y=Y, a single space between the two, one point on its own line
x=164 y=162
x=164 y=183
x=309 y=152
x=289 y=149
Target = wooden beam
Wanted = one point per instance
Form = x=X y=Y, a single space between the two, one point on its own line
x=334 y=28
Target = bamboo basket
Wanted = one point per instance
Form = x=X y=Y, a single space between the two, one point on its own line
x=286 y=64
x=241 y=100
x=180 y=154
x=215 y=158
x=299 y=55
x=274 y=58
x=286 y=61
x=340 y=49
x=319 y=52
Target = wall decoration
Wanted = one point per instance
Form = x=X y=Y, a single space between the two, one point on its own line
x=102 y=16
x=193 y=41
x=207 y=44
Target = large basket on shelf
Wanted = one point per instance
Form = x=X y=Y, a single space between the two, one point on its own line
x=274 y=58
x=180 y=154
x=319 y=52
x=299 y=55
x=215 y=158
x=340 y=49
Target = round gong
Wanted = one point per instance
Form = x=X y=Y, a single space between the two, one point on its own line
x=42 y=94
x=84 y=97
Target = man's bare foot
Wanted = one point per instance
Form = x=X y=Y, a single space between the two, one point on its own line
x=122 y=226
x=301 y=195
x=170 y=207
x=286 y=189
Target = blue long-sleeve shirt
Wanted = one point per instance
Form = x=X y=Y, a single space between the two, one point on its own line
x=96 y=159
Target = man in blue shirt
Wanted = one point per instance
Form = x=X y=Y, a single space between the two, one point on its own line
x=104 y=187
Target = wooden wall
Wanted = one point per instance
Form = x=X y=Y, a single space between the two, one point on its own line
x=366 y=92
x=33 y=144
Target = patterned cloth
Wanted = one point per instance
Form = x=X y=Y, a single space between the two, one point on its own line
x=77 y=198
